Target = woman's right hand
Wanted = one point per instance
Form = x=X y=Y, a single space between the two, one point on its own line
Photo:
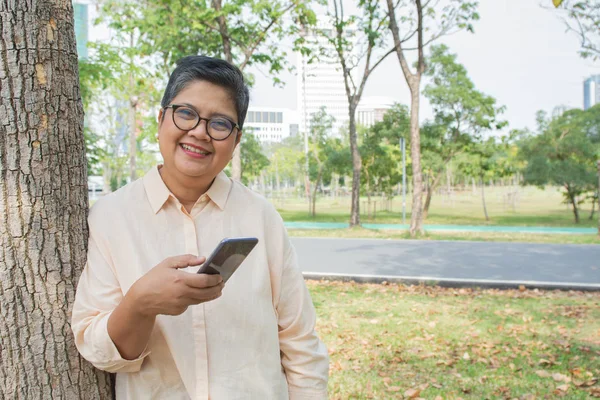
x=167 y=290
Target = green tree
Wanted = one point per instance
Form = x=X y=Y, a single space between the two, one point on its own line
x=322 y=147
x=487 y=159
x=133 y=73
x=427 y=22
x=564 y=154
x=254 y=160
x=244 y=32
x=286 y=162
x=461 y=115
x=381 y=152
x=356 y=40
x=95 y=75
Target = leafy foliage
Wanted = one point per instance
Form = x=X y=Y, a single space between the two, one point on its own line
x=254 y=160
x=565 y=153
x=381 y=152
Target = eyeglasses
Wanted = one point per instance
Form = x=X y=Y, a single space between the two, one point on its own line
x=186 y=119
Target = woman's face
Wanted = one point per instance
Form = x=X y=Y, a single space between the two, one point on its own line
x=193 y=154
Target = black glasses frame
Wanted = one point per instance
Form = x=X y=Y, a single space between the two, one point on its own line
x=200 y=119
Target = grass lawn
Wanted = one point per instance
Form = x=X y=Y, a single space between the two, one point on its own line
x=467 y=236
x=396 y=341
x=535 y=207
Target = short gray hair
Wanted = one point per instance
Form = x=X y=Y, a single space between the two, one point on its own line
x=213 y=70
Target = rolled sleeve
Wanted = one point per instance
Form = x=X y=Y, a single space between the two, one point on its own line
x=98 y=294
x=304 y=356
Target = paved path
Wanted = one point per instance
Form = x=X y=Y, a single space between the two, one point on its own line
x=513 y=262
x=448 y=228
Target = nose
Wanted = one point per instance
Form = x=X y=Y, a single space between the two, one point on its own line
x=201 y=130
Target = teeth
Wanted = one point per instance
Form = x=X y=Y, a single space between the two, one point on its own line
x=194 y=150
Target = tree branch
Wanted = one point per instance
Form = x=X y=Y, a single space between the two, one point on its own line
x=398 y=43
x=248 y=53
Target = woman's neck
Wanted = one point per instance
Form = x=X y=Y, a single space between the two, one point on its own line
x=186 y=190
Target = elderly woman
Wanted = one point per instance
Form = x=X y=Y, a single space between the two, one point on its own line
x=143 y=312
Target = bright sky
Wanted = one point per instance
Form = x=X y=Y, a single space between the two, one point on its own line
x=520 y=54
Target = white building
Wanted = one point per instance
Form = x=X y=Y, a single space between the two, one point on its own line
x=321 y=84
x=371 y=109
x=271 y=124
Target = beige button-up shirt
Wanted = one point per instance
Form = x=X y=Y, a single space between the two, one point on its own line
x=257 y=341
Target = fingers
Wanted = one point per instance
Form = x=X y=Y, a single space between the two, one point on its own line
x=202 y=281
x=197 y=296
x=184 y=261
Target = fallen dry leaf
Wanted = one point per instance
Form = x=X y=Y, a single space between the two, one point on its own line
x=587 y=383
x=412 y=393
x=558 y=377
x=563 y=388
x=393 y=389
x=543 y=374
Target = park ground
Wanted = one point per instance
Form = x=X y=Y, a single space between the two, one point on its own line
x=399 y=342
x=533 y=208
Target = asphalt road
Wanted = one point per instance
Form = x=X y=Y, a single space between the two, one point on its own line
x=451 y=260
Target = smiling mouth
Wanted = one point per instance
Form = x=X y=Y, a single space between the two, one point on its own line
x=194 y=150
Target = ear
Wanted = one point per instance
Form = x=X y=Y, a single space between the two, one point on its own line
x=238 y=137
x=160 y=117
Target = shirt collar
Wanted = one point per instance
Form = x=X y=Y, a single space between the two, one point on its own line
x=158 y=193
x=219 y=190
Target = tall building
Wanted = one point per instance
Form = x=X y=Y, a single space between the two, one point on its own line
x=321 y=84
x=591 y=91
x=271 y=124
x=80 y=11
x=372 y=109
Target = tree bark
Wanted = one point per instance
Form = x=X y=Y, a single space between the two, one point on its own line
x=487 y=218
x=416 y=218
x=314 y=194
x=356 y=166
x=573 y=203
x=430 y=190
x=43 y=205
x=236 y=161
x=413 y=81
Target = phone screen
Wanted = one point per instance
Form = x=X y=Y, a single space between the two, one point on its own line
x=228 y=256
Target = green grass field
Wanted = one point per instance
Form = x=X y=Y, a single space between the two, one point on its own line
x=396 y=341
x=534 y=207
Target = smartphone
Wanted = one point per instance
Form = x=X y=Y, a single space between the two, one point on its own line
x=228 y=256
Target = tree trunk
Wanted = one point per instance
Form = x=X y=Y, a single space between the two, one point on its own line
x=356 y=166
x=434 y=185
x=314 y=194
x=43 y=205
x=236 y=161
x=416 y=218
x=573 y=200
x=593 y=209
x=598 y=197
x=487 y=218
